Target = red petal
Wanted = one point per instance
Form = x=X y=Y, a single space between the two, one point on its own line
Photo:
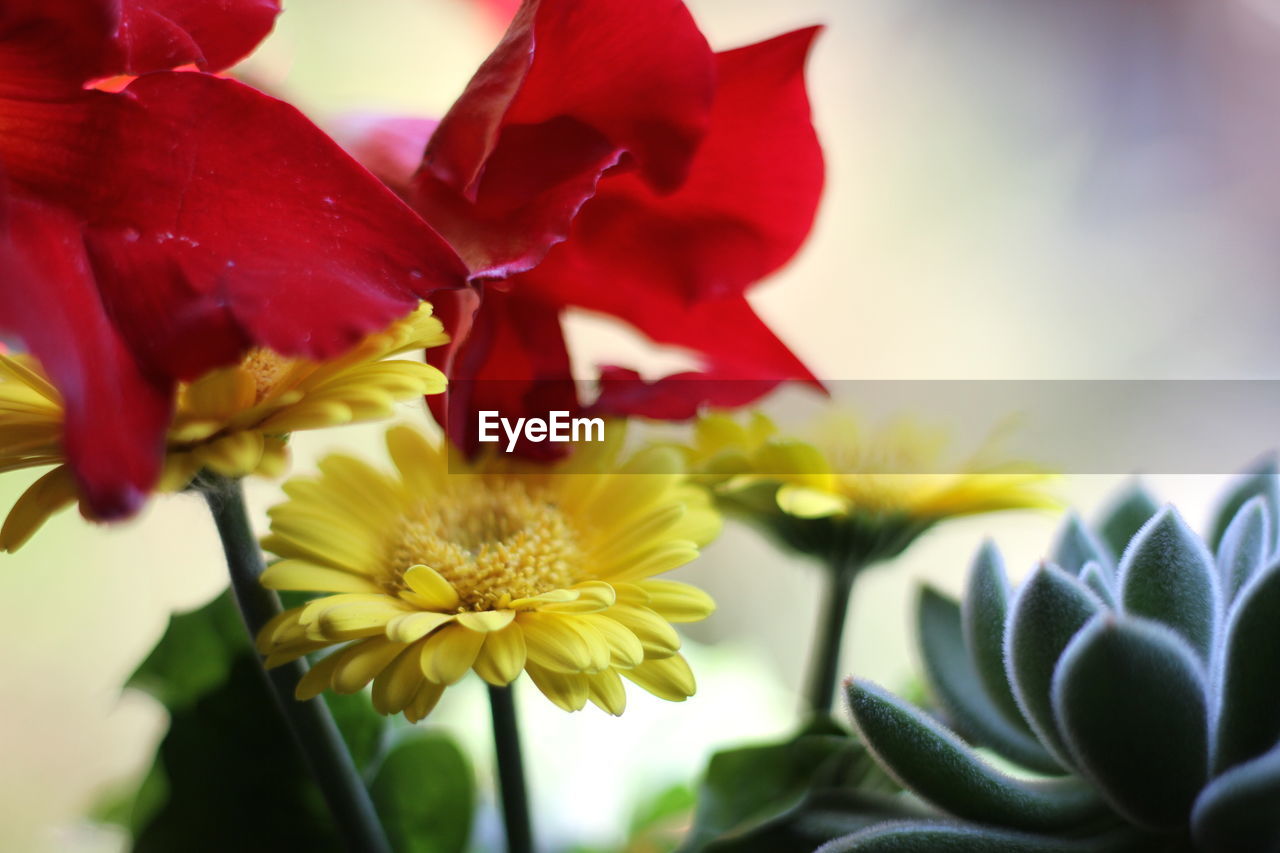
x=571 y=88
x=747 y=206
x=115 y=415
x=218 y=217
x=51 y=47
x=508 y=357
x=157 y=35
x=673 y=398
x=390 y=147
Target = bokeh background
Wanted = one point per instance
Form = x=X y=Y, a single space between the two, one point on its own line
x=1017 y=189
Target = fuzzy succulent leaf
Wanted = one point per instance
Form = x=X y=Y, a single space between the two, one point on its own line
x=1125 y=518
x=958 y=689
x=983 y=613
x=940 y=768
x=1168 y=576
x=1236 y=812
x=1262 y=481
x=1098 y=583
x=944 y=837
x=1244 y=548
x=1049 y=609
x=1249 y=714
x=1129 y=695
x=1077 y=546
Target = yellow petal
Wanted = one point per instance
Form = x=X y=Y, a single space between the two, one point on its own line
x=555 y=596
x=661 y=558
x=301 y=576
x=46 y=496
x=318 y=678
x=431 y=590
x=625 y=648
x=555 y=642
x=449 y=653
x=487 y=620
x=593 y=596
x=568 y=690
x=503 y=656
x=235 y=455
x=360 y=662
x=677 y=602
x=668 y=678
x=425 y=700
x=414 y=626
x=395 y=687
x=606 y=691
x=348 y=616
x=655 y=633
x=804 y=502
x=421 y=466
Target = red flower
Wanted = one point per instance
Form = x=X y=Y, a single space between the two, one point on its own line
x=149 y=235
x=605 y=158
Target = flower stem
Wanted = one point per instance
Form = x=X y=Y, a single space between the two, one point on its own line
x=515 y=799
x=826 y=652
x=313 y=727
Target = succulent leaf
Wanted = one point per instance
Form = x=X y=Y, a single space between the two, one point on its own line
x=942 y=837
x=1098 y=583
x=1244 y=548
x=1049 y=609
x=983 y=614
x=1237 y=812
x=943 y=770
x=1077 y=546
x=1249 y=714
x=959 y=691
x=1125 y=518
x=1130 y=697
x=1263 y=481
x=1167 y=575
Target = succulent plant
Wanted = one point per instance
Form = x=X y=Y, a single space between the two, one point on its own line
x=1126 y=705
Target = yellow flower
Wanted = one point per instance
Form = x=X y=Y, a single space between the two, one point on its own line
x=446 y=567
x=871 y=490
x=233 y=421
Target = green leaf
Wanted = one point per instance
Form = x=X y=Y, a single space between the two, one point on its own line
x=983 y=614
x=194 y=655
x=937 y=766
x=1077 y=546
x=1049 y=609
x=1125 y=518
x=959 y=691
x=1130 y=697
x=1260 y=481
x=1249 y=713
x=1099 y=583
x=365 y=731
x=1244 y=548
x=235 y=779
x=424 y=793
x=746 y=788
x=1167 y=575
x=941 y=837
x=820 y=817
x=1237 y=812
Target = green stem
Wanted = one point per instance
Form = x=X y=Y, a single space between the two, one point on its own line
x=515 y=799
x=826 y=652
x=313 y=727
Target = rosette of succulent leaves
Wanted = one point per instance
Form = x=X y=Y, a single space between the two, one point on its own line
x=1124 y=697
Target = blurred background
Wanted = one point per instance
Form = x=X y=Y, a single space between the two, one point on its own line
x=1017 y=189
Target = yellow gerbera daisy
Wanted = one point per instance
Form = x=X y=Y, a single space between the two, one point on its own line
x=872 y=489
x=446 y=567
x=233 y=421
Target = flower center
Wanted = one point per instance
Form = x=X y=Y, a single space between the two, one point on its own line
x=492 y=540
x=267 y=369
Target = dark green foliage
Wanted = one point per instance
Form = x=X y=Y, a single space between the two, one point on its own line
x=228 y=776
x=1156 y=685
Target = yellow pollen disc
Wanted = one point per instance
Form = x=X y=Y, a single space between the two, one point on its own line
x=490 y=539
x=267 y=369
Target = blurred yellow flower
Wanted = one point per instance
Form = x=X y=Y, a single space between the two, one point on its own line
x=233 y=421
x=880 y=488
x=446 y=567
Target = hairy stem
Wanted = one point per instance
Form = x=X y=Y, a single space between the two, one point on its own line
x=515 y=798
x=826 y=650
